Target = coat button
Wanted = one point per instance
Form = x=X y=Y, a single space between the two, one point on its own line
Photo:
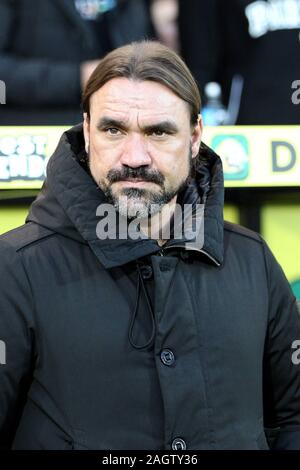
x=167 y=357
x=178 y=444
x=146 y=271
x=164 y=267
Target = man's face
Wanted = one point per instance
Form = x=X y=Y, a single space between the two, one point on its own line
x=140 y=144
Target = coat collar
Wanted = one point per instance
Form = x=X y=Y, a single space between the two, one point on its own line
x=70 y=198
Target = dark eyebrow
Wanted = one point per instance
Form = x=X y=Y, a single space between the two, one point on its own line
x=110 y=122
x=163 y=126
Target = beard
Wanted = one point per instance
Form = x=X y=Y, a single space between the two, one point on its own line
x=139 y=202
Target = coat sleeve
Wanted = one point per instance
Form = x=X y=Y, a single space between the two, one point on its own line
x=282 y=360
x=34 y=81
x=16 y=342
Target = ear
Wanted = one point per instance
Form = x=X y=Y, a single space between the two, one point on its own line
x=86 y=131
x=196 y=136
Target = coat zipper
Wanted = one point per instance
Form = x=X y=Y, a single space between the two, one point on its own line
x=162 y=252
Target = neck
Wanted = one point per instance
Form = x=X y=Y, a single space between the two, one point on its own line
x=157 y=227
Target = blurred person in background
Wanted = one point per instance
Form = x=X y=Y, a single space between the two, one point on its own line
x=252 y=48
x=49 y=48
x=164 y=14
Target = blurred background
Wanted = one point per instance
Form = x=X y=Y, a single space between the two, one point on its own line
x=244 y=54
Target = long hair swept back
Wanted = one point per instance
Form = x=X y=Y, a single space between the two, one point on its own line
x=146 y=60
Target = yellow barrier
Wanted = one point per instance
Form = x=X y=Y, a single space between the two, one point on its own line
x=252 y=156
x=281 y=229
x=257 y=156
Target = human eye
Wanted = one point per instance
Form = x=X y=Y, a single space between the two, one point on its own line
x=159 y=133
x=112 y=131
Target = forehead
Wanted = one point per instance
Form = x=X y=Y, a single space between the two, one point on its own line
x=123 y=97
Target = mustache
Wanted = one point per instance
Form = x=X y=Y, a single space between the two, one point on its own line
x=141 y=172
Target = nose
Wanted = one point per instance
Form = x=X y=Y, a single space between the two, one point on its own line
x=135 y=152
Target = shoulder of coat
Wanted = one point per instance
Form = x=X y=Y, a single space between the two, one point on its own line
x=242 y=231
x=25 y=235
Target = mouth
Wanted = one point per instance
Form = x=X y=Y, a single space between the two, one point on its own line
x=134 y=182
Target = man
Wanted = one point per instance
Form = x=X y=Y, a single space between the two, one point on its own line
x=117 y=342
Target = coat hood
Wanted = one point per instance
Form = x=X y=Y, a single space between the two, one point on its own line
x=68 y=201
